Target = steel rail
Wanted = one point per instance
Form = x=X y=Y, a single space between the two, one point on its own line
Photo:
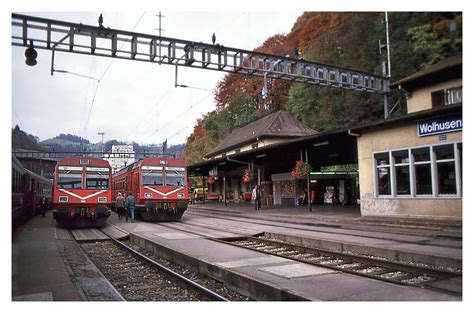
x=208 y=293
x=349 y=258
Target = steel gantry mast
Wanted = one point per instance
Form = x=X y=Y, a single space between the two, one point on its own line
x=69 y=37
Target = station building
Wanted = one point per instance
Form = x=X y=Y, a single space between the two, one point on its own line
x=412 y=165
x=405 y=166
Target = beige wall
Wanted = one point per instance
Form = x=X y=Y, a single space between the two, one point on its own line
x=420 y=99
x=391 y=139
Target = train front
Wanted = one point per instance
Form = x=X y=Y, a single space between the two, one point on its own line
x=163 y=192
x=82 y=192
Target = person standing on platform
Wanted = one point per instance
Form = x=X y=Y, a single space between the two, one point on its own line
x=120 y=203
x=254 y=194
x=130 y=204
x=43 y=205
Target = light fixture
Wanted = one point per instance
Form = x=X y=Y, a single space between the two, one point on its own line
x=31 y=54
x=322 y=143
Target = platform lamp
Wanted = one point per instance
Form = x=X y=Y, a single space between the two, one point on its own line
x=31 y=54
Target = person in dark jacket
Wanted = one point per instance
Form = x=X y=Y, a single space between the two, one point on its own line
x=130 y=204
x=43 y=202
x=120 y=203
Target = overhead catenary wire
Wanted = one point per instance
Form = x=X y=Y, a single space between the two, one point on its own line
x=105 y=72
x=18 y=117
x=84 y=106
x=179 y=115
x=158 y=102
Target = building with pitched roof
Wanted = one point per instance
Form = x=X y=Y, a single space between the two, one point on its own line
x=412 y=165
x=271 y=129
x=408 y=166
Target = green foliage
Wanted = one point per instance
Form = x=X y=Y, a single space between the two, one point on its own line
x=22 y=140
x=343 y=39
x=437 y=41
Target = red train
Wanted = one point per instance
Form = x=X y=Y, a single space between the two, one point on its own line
x=82 y=193
x=159 y=187
x=27 y=189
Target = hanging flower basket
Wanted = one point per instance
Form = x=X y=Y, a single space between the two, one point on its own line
x=247 y=176
x=211 y=180
x=301 y=170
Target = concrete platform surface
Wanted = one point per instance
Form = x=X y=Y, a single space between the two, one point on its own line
x=264 y=277
x=47 y=265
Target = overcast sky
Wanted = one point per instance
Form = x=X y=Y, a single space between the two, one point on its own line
x=135 y=101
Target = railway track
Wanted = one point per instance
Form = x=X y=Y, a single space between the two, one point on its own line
x=138 y=277
x=384 y=270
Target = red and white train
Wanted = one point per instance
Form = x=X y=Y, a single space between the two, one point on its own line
x=159 y=186
x=82 y=194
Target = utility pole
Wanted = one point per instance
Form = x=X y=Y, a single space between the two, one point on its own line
x=159 y=29
x=386 y=69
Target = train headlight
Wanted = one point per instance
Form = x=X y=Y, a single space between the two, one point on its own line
x=148 y=195
x=63 y=199
x=180 y=195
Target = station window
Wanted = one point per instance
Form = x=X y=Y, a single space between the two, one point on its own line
x=422 y=165
x=432 y=171
x=402 y=172
x=383 y=173
x=445 y=166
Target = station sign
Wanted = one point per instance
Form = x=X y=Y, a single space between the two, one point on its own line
x=439 y=126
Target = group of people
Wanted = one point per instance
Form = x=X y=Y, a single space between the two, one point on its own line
x=125 y=207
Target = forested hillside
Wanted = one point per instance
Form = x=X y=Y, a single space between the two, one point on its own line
x=22 y=140
x=343 y=39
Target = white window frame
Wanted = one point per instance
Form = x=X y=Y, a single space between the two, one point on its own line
x=434 y=172
x=413 y=164
x=394 y=172
x=456 y=170
x=376 y=174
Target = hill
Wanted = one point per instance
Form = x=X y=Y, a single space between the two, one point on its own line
x=22 y=140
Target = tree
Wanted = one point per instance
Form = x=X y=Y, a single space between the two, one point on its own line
x=349 y=40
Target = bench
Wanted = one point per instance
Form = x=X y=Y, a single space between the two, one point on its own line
x=213 y=196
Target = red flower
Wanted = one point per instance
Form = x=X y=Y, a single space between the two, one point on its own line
x=302 y=169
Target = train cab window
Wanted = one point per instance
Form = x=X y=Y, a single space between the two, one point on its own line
x=97 y=181
x=175 y=179
x=69 y=181
x=152 y=179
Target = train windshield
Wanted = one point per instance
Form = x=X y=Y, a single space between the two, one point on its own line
x=97 y=181
x=69 y=181
x=152 y=179
x=175 y=179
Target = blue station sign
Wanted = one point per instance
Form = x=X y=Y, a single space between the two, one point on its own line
x=439 y=126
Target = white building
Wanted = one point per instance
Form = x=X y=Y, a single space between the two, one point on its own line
x=121 y=156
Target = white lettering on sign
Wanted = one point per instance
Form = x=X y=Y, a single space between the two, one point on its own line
x=439 y=126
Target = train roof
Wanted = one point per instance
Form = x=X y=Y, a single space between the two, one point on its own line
x=157 y=161
x=82 y=161
x=39 y=177
x=17 y=165
x=151 y=161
